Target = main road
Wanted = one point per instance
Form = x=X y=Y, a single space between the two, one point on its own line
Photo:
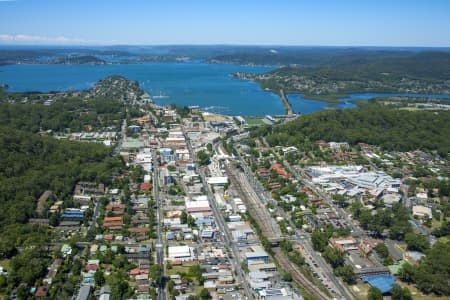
x=340 y=288
x=326 y=269
x=159 y=246
x=251 y=183
x=224 y=229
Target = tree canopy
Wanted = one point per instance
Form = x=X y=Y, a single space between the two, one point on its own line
x=433 y=271
x=373 y=124
x=31 y=164
x=68 y=113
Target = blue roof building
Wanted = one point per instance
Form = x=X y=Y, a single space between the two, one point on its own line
x=383 y=282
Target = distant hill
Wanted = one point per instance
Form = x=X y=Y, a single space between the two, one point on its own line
x=79 y=60
x=425 y=72
x=424 y=65
x=307 y=56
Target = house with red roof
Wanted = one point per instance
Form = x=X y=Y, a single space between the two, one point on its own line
x=91 y=268
x=145 y=186
x=41 y=292
x=280 y=170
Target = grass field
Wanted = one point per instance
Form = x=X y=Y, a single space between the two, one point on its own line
x=255 y=121
x=209 y=117
x=5 y=264
x=359 y=290
x=417 y=295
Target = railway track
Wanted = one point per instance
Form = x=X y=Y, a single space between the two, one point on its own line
x=259 y=212
x=297 y=275
x=256 y=209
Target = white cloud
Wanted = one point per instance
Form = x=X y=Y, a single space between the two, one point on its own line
x=36 y=39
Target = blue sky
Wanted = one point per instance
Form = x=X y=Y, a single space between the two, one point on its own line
x=276 y=22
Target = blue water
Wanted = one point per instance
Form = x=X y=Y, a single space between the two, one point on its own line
x=209 y=86
x=303 y=105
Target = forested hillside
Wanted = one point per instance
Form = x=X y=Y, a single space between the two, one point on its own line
x=426 y=72
x=305 y=56
x=31 y=164
x=72 y=113
x=388 y=128
x=425 y=65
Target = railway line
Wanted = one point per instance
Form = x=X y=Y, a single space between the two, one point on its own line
x=255 y=207
x=298 y=277
x=269 y=229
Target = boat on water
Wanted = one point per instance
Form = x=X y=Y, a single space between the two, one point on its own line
x=160 y=96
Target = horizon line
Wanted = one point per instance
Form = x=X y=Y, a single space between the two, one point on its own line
x=215 y=44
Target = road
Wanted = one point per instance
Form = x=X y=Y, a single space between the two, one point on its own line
x=287 y=105
x=123 y=135
x=123 y=132
x=327 y=271
x=300 y=174
x=227 y=237
x=315 y=259
x=159 y=246
x=94 y=215
x=224 y=229
x=250 y=182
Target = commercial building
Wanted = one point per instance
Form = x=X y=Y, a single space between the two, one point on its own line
x=422 y=211
x=256 y=253
x=343 y=244
x=183 y=253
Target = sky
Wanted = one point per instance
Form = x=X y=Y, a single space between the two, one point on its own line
x=422 y=23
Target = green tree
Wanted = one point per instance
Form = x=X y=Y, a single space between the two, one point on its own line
x=382 y=250
x=417 y=242
x=191 y=221
x=28 y=266
x=203 y=158
x=443 y=230
x=183 y=217
x=407 y=273
x=170 y=286
x=99 y=278
x=286 y=245
x=3 y=281
x=347 y=273
x=319 y=240
x=431 y=275
x=196 y=272
x=340 y=200
x=54 y=220
x=333 y=256
x=204 y=294
x=287 y=276
x=23 y=292
x=120 y=288
x=374 y=294
x=156 y=274
x=399 y=293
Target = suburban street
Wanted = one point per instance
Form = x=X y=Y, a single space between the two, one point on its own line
x=226 y=233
